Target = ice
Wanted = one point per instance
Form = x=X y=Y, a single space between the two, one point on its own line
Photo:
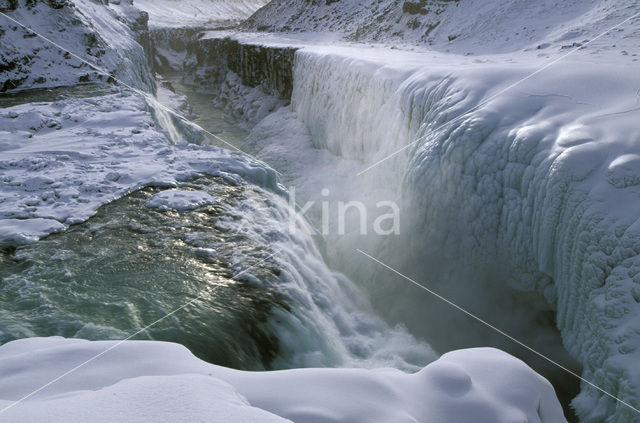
x=176 y=199
x=56 y=165
x=24 y=231
x=543 y=177
x=164 y=382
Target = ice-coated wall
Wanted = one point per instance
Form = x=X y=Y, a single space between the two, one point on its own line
x=210 y=58
x=536 y=190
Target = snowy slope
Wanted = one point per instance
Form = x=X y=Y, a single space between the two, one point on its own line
x=197 y=13
x=108 y=36
x=467 y=26
x=143 y=381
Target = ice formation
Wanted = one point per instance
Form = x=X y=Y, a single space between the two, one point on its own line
x=542 y=176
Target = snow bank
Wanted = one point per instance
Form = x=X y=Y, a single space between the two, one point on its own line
x=162 y=381
x=108 y=35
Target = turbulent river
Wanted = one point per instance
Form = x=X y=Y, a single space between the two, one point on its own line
x=258 y=295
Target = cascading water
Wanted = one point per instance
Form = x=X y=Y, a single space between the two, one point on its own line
x=509 y=211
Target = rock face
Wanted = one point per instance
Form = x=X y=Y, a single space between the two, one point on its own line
x=110 y=36
x=269 y=68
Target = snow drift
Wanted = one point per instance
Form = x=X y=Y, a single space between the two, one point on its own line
x=142 y=381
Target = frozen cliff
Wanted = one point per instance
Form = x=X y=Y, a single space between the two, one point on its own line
x=543 y=176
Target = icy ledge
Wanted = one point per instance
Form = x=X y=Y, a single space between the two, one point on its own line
x=157 y=381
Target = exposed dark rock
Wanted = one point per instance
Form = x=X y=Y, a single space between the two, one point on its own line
x=8 y=5
x=414 y=8
x=271 y=68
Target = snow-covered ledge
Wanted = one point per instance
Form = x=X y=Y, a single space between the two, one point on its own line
x=141 y=381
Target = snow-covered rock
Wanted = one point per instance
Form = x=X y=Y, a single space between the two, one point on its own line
x=469 y=26
x=142 y=381
x=109 y=36
x=176 y=199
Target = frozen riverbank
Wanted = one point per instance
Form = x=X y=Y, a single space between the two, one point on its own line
x=139 y=381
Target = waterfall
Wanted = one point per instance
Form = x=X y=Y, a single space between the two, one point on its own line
x=520 y=210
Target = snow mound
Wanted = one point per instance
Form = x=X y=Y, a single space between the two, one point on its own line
x=176 y=199
x=163 y=380
x=26 y=231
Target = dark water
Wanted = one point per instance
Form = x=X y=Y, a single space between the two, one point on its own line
x=130 y=265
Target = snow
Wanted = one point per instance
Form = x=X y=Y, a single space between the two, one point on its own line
x=197 y=13
x=62 y=160
x=104 y=35
x=160 y=381
x=464 y=27
x=180 y=200
x=543 y=175
x=26 y=231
